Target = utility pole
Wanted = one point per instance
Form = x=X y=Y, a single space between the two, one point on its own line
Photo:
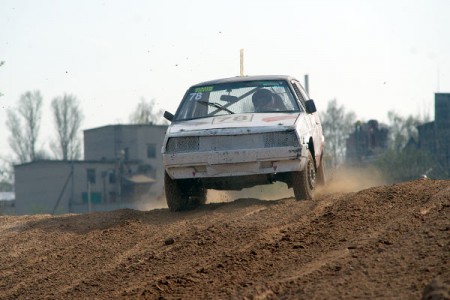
x=307 y=84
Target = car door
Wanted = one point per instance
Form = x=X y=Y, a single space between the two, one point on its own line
x=312 y=120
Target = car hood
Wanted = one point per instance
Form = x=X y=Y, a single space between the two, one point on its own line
x=249 y=122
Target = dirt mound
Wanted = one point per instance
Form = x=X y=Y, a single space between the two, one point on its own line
x=381 y=242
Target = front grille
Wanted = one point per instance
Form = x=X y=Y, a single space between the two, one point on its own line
x=232 y=142
x=280 y=139
x=182 y=144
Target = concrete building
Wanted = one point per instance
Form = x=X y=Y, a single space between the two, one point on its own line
x=122 y=169
x=7 y=203
x=434 y=136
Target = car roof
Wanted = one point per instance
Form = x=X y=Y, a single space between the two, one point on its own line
x=246 y=78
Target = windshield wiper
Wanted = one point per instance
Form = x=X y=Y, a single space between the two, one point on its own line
x=216 y=105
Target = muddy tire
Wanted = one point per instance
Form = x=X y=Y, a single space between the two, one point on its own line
x=183 y=194
x=304 y=182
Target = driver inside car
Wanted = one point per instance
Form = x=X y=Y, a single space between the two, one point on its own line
x=265 y=101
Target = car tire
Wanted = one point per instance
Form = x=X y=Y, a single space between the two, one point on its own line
x=304 y=182
x=197 y=196
x=183 y=194
x=174 y=196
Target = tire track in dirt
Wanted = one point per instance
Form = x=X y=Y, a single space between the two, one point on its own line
x=382 y=242
x=306 y=211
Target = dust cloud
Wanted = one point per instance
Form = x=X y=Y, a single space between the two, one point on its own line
x=151 y=205
x=144 y=202
x=351 y=179
x=340 y=180
x=277 y=190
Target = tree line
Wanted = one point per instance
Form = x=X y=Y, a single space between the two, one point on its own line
x=24 y=125
x=402 y=160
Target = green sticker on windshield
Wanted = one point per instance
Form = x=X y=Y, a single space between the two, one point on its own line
x=204 y=89
x=271 y=83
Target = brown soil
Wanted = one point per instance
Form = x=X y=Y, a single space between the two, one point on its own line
x=389 y=242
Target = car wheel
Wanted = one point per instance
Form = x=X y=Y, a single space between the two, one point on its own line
x=197 y=196
x=174 y=196
x=304 y=182
x=183 y=194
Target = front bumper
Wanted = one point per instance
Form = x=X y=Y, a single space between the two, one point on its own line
x=235 y=162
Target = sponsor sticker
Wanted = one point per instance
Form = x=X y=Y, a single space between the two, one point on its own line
x=232 y=119
x=204 y=89
x=278 y=118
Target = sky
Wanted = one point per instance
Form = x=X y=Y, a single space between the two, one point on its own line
x=371 y=56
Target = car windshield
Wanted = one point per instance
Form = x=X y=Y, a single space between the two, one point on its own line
x=237 y=98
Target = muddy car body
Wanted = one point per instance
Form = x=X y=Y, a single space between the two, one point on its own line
x=235 y=133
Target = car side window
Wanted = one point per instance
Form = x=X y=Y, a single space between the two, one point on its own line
x=299 y=94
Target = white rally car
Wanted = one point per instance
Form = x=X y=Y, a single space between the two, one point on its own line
x=239 y=132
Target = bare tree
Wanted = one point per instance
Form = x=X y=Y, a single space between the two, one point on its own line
x=24 y=136
x=68 y=117
x=402 y=129
x=6 y=178
x=337 y=124
x=147 y=113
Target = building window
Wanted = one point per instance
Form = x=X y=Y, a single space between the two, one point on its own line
x=151 y=150
x=91 y=175
x=112 y=177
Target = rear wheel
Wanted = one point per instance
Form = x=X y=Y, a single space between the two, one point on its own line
x=183 y=194
x=304 y=182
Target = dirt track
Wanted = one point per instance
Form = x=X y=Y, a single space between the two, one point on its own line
x=381 y=242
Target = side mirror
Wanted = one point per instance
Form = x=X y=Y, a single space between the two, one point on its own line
x=310 y=106
x=168 y=116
